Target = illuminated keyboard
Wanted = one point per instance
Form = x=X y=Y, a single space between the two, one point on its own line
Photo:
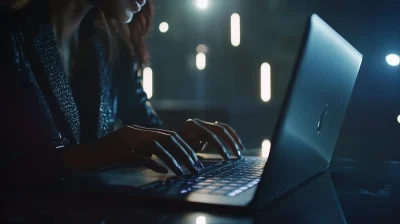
x=230 y=179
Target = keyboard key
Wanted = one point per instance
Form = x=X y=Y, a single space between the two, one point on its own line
x=229 y=188
x=212 y=187
x=209 y=180
x=204 y=191
x=220 y=192
x=250 y=185
x=241 y=182
x=203 y=184
x=243 y=188
x=234 y=193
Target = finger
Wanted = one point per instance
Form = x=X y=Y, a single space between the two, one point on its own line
x=167 y=158
x=197 y=129
x=180 y=148
x=145 y=146
x=189 y=151
x=157 y=149
x=234 y=135
x=223 y=134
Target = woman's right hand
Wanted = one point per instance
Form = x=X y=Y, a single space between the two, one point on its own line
x=134 y=145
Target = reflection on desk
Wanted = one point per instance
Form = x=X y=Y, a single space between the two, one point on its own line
x=358 y=191
x=315 y=201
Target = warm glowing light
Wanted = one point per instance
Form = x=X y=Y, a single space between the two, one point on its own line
x=201 y=48
x=164 y=27
x=398 y=119
x=201 y=61
x=148 y=81
x=265 y=82
x=393 y=60
x=265 y=148
x=235 y=29
x=201 y=220
x=202 y=4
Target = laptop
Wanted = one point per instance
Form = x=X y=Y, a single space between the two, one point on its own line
x=303 y=143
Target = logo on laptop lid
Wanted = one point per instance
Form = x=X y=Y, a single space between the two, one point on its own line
x=322 y=119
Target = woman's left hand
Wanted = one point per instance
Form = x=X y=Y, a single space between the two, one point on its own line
x=200 y=133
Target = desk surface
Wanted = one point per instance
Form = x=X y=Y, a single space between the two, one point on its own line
x=352 y=191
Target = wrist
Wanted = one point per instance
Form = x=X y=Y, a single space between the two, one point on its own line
x=81 y=158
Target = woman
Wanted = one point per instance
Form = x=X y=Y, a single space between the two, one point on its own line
x=71 y=74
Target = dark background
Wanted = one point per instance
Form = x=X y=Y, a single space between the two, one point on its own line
x=228 y=89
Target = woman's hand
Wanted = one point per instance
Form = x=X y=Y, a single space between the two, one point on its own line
x=133 y=145
x=200 y=133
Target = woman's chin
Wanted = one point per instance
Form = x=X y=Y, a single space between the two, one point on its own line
x=127 y=17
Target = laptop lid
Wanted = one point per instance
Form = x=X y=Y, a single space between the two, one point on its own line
x=313 y=112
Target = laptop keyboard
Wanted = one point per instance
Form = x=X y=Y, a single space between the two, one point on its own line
x=230 y=179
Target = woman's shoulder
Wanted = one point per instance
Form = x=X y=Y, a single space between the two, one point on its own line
x=14 y=4
x=13 y=9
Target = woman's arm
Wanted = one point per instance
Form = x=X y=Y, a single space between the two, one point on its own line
x=133 y=104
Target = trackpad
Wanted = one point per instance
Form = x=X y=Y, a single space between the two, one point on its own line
x=134 y=177
x=139 y=176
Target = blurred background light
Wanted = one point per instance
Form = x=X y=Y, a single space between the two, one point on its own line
x=265 y=82
x=265 y=148
x=398 y=119
x=201 y=48
x=235 y=29
x=201 y=220
x=201 y=61
x=393 y=59
x=148 y=81
x=164 y=27
x=202 y=4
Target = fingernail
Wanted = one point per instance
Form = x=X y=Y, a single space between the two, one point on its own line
x=239 y=154
x=200 y=164
x=227 y=156
x=197 y=169
x=180 y=171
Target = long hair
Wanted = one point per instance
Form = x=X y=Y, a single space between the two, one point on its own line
x=133 y=34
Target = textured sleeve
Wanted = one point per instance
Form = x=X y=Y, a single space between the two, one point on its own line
x=25 y=161
x=134 y=106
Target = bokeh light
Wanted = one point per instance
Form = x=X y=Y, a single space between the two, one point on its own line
x=201 y=61
x=201 y=48
x=201 y=220
x=202 y=4
x=148 y=81
x=393 y=60
x=265 y=148
x=164 y=27
x=266 y=82
x=235 y=29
